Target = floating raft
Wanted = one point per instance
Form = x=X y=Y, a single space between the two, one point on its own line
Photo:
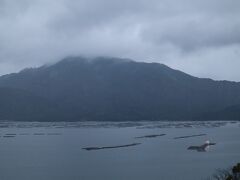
x=196 y=135
x=110 y=147
x=150 y=136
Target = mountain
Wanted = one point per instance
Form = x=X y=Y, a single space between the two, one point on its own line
x=114 y=89
x=16 y=104
x=231 y=112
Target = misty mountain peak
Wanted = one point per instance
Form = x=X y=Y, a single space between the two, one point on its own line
x=104 y=88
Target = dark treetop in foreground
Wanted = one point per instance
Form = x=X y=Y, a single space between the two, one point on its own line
x=114 y=89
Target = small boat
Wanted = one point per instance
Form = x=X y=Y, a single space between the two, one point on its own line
x=202 y=148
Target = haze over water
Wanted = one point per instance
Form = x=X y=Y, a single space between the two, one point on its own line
x=53 y=151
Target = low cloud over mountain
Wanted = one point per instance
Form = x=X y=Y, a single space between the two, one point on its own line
x=199 y=37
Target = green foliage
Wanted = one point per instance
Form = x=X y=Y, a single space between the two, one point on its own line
x=232 y=173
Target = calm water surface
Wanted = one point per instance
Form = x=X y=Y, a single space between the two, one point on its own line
x=53 y=151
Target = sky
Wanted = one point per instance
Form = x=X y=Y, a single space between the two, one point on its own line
x=199 y=37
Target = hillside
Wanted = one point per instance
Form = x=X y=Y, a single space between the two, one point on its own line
x=117 y=90
x=21 y=105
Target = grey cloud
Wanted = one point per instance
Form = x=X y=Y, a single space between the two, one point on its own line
x=192 y=33
x=189 y=35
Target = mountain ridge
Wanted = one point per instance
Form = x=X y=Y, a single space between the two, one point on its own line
x=118 y=89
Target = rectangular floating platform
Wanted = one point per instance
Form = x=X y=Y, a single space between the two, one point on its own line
x=196 y=135
x=150 y=136
x=110 y=147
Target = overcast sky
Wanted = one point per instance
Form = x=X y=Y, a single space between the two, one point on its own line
x=200 y=37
